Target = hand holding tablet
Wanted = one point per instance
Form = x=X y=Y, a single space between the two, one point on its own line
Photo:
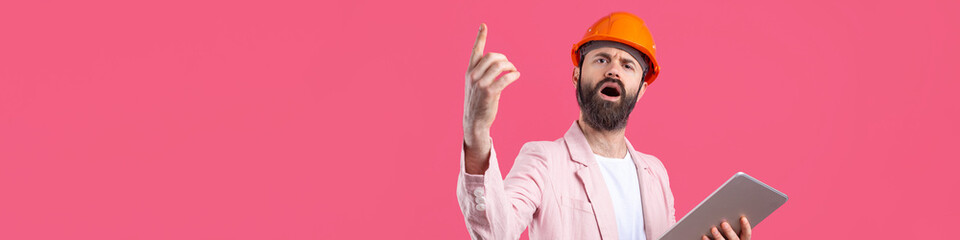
x=741 y=201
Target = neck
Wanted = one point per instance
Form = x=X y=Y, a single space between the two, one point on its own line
x=611 y=144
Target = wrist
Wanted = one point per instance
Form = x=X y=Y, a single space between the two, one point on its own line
x=476 y=135
x=477 y=156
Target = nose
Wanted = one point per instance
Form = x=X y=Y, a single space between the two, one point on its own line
x=613 y=72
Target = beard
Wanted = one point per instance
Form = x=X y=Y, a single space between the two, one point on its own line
x=602 y=114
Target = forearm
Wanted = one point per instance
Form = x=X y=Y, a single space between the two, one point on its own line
x=477 y=193
x=498 y=208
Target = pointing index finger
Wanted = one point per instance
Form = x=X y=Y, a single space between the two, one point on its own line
x=478 y=45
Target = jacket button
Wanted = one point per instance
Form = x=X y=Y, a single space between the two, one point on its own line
x=481 y=207
x=478 y=192
x=480 y=200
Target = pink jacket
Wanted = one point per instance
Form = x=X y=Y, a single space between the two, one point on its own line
x=556 y=189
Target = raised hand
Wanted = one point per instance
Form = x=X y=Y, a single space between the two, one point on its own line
x=481 y=98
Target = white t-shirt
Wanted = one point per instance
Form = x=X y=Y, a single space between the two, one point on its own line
x=622 y=181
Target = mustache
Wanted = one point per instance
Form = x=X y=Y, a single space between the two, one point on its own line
x=609 y=79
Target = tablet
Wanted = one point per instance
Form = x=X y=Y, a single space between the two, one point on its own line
x=742 y=195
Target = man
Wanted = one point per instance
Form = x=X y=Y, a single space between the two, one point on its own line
x=589 y=184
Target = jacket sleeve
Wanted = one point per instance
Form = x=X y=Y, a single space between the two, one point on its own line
x=497 y=208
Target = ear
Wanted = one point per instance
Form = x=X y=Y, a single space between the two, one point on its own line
x=643 y=88
x=576 y=73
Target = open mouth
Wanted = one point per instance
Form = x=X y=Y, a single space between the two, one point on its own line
x=610 y=90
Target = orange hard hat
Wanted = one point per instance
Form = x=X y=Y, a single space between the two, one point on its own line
x=624 y=28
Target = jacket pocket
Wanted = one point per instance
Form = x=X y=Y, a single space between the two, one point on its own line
x=582 y=205
x=579 y=221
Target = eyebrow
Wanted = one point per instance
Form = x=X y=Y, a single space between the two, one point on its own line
x=606 y=55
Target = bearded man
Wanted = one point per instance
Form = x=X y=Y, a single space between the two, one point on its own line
x=589 y=184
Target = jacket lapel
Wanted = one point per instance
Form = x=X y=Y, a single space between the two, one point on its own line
x=650 y=193
x=592 y=180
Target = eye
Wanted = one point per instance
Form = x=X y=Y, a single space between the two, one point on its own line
x=628 y=66
x=601 y=60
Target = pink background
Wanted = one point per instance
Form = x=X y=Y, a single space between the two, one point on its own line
x=342 y=120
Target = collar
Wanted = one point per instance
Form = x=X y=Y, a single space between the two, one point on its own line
x=581 y=152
